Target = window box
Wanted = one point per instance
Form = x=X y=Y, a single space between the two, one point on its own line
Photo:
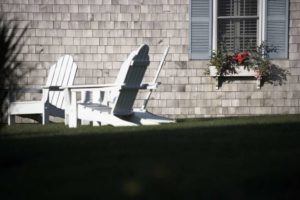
x=252 y=63
x=240 y=71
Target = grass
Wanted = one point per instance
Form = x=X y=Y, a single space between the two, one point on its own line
x=232 y=158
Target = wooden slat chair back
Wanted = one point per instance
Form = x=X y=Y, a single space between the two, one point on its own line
x=110 y=97
x=130 y=77
x=61 y=74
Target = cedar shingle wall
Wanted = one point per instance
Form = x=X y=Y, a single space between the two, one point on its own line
x=101 y=33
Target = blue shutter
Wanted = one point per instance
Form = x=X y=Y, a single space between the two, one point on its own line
x=277 y=27
x=200 y=29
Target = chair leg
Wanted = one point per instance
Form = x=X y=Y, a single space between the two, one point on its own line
x=45 y=118
x=84 y=122
x=73 y=121
x=66 y=119
x=73 y=112
x=10 y=119
x=95 y=123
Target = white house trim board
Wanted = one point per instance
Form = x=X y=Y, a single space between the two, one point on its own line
x=215 y=25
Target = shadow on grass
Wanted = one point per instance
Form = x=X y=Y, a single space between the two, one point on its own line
x=254 y=161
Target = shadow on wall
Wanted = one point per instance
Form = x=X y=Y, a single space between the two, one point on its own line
x=11 y=44
x=278 y=75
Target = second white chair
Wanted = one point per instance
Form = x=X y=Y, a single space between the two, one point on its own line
x=52 y=103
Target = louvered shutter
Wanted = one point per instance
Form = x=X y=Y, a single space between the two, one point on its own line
x=277 y=27
x=200 y=29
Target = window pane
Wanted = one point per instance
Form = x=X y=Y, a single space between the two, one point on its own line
x=248 y=33
x=226 y=34
x=235 y=29
x=237 y=8
x=248 y=8
x=226 y=8
x=237 y=35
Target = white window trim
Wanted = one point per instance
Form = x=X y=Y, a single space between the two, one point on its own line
x=261 y=23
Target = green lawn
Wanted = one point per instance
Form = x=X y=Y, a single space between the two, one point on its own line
x=233 y=158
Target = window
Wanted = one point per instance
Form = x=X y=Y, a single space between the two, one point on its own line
x=239 y=24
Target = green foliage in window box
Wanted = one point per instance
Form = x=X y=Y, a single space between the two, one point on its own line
x=256 y=59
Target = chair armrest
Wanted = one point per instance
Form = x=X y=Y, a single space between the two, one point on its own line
x=53 y=88
x=82 y=88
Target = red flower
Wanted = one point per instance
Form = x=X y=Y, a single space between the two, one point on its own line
x=241 y=57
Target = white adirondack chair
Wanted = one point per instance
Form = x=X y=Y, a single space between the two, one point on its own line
x=118 y=97
x=116 y=104
x=60 y=74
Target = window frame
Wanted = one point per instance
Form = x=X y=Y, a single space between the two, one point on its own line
x=260 y=29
